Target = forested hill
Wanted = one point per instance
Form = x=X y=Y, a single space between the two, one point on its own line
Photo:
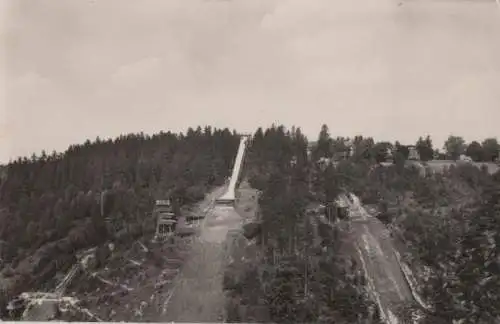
x=50 y=204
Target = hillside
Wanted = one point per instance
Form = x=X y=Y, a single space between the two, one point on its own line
x=290 y=269
x=51 y=204
x=444 y=227
x=413 y=243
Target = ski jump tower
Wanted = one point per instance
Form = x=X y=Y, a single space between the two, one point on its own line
x=229 y=197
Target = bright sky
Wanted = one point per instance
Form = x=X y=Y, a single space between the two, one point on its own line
x=75 y=69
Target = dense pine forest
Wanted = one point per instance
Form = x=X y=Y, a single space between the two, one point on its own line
x=446 y=225
x=302 y=275
x=51 y=204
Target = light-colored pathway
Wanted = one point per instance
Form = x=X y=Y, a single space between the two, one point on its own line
x=198 y=295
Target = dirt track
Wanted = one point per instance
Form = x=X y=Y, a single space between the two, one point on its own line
x=375 y=251
x=198 y=295
x=370 y=240
x=138 y=284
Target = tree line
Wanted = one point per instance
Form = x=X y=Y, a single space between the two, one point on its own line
x=51 y=204
x=446 y=225
x=366 y=147
x=300 y=274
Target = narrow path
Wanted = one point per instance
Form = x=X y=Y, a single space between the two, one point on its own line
x=374 y=248
x=198 y=295
x=376 y=253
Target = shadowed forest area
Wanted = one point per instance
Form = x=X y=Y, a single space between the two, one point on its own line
x=51 y=204
x=298 y=274
x=289 y=268
x=378 y=202
x=446 y=227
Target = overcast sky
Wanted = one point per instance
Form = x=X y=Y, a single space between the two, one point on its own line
x=75 y=69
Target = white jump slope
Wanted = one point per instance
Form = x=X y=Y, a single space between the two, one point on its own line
x=229 y=196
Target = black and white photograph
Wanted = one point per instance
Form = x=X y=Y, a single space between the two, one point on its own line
x=250 y=161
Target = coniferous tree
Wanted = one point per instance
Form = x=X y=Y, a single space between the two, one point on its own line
x=54 y=201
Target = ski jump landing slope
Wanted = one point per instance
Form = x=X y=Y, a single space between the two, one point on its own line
x=229 y=196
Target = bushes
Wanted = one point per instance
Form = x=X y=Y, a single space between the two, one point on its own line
x=257 y=181
x=56 y=198
x=449 y=223
x=286 y=297
x=252 y=230
x=286 y=277
x=195 y=193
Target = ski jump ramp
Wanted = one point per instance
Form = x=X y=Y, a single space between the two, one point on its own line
x=229 y=197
